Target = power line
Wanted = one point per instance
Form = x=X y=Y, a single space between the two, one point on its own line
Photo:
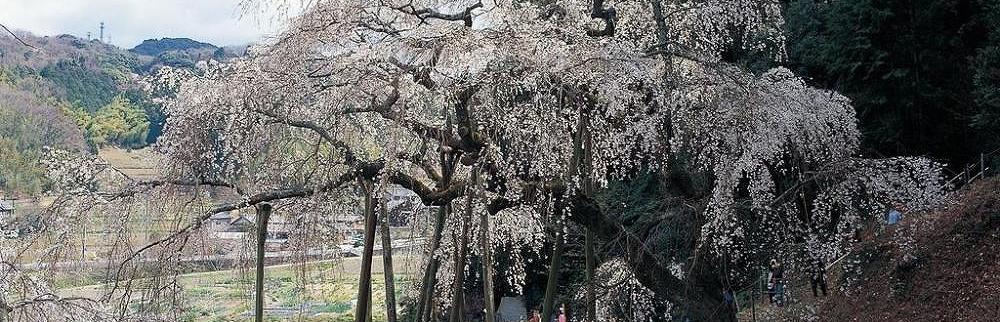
x=16 y=37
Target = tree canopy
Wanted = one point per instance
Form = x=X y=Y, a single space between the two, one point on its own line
x=512 y=116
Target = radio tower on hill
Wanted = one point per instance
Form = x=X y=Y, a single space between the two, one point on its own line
x=102 y=31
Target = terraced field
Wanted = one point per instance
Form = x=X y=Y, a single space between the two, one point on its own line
x=317 y=291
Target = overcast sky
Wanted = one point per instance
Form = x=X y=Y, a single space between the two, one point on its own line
x=129 y=22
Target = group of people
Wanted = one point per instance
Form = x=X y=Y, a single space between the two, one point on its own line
x=537 y=317
x=776 y=280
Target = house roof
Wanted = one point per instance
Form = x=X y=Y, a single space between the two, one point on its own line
x=6 y=205
x=241 y=224
x=241 y=221
x=276 y=224
x=225 y=215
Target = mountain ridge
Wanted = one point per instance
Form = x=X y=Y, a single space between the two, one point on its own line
x=155 y=47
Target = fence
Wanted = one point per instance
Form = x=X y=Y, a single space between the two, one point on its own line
x=987 y=165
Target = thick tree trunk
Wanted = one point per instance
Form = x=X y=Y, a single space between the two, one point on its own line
x=704 y=305
x=548 y=304
x=697 y=297
x=363 y=310
x=390 y=283
x=426 y=303
x=263 y=212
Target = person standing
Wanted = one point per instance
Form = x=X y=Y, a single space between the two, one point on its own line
x=775 y=282
x=895 y=214
x=729 y=300
x=535 y=316
x=562 y=313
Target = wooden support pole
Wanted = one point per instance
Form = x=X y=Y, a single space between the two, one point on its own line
x=487 y=258
x=363 y=310
x=390 y=283
x=263 y=212
x=591 y=263
x=548 y=305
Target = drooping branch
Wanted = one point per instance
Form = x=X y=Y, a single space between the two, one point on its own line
x=282 y=194
x=349 y=156
x=142 y=186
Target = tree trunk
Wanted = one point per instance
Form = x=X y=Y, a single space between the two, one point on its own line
x=706 y=305
x=390 y=283
x=696 y=297
x=426 y=302
x=548 y=304
x=363 y=310
x=263 y=212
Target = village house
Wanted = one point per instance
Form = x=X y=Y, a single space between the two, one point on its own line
x=235 y=225
x=6 y=209
x=6 y=212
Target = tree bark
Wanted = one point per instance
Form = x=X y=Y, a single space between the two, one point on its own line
x=390 y=283
x=263 y=212
x=363 y=310
x=696 y=297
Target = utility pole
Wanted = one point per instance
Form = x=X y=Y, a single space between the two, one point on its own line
x=102 y=31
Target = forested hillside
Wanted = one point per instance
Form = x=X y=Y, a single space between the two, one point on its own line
x=27 y=125
x=922 y=74
x=181 y=52
x=79 y=94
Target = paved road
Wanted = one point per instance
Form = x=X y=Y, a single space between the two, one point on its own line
x=225 y=260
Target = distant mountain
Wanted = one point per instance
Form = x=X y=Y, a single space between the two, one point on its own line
x=156 y=47
x=180 y=52
x=80 y=94
x=87 y=74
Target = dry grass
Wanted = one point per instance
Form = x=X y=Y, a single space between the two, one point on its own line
x=138 y=164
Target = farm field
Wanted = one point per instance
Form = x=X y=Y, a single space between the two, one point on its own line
x=315 y=291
